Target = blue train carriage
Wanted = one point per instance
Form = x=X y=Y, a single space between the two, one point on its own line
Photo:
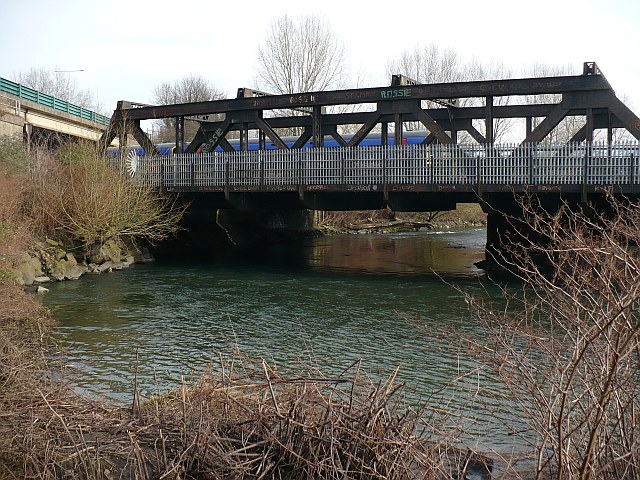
x=373 y=139
x=133 y=163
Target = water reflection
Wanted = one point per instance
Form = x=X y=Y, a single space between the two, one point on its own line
x=448 y=253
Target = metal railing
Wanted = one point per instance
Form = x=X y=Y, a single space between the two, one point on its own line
x=32 y=95
x=512 y=164
x=12 y=103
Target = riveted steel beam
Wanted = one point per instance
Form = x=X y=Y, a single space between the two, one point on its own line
x=586 y=94
x=526 y=86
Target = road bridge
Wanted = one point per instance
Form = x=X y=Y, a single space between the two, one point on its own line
x=240 y=159
x=34 y=115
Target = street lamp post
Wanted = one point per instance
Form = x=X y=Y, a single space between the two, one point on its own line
x=69 y=80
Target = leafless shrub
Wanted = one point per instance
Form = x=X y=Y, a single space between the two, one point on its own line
x=567 y=346
x=15 y=234
x=243 y=420
x=78 y=196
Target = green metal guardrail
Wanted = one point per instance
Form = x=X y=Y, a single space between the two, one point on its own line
x=49 y=101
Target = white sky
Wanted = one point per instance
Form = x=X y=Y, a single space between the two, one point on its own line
x=126 y=48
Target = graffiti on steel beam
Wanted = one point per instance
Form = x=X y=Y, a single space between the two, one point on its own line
x=216 y=135
x=547 y=84
x=301 y=99
x=499 y=87
x=395 y=93
x=363 y=95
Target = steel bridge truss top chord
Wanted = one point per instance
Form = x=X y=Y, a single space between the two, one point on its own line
x=588 y=96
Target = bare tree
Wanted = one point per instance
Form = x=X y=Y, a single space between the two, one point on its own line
x=568 y=127
x=58 y=84
x=567 y=347
x=300 y=56
x=192 y=88
x=430 y=64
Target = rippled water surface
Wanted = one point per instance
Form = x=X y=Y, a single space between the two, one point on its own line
x=328 y=301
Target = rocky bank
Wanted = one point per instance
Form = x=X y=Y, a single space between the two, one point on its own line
x=50 y=260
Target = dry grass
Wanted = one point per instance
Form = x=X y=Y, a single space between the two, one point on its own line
x=242 y=420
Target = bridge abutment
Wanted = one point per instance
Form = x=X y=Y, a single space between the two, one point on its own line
x=258 y=226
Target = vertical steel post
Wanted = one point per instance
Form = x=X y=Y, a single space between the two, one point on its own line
x=227 y=174
x=179 y=134
x=244 y=137
x=299 y=154
x=316 y=119
x=193 y=170
x=489 y=120
x=530 y=153
x=398 y=129
x=261 y=156
x=427 y=149
x=587 y=152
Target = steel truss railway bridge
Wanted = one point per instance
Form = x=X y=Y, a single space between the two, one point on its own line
x=456 y=161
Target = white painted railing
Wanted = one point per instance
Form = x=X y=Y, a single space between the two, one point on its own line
x=515 y=164
x=12 y=103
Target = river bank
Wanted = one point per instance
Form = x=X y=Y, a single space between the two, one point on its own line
x=242 y=418
x=465 y=215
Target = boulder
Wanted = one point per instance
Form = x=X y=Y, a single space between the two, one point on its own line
x=27 y=270
x=53 y=243
x=71 y=259
x=74 y=272
x=68 y=270
x=111 y=251
x=105 y=267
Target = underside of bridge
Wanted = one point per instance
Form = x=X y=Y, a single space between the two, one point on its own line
x=449 y=113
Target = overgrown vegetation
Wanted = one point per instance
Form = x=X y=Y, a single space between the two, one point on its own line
x=15 y=234
x=568 y=348
x=76 y=196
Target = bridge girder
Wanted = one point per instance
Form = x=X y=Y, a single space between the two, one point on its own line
x=588 y=95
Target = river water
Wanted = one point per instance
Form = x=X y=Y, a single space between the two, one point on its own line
x=326 y=302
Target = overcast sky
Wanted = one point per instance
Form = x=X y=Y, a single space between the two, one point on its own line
x=126 y=48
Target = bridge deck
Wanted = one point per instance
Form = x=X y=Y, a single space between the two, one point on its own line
x=411 y=168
